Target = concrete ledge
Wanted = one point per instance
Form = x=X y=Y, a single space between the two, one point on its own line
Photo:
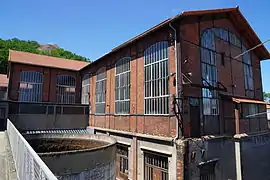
x=10 y=164
x=147 y=136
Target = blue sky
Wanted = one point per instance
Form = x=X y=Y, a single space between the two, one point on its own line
x=91 y=28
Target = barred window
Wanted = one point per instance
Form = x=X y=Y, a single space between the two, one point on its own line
x=248 y=71
x=122 y=158
x=156 y=166
x=31 y=83
x=209 y=72
x=122 y=86
x=65 y=89
x=85 y=89
x=101 y=92
x=207 y=172
x=156 y=76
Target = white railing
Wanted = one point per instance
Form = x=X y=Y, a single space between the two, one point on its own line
x=29 y=165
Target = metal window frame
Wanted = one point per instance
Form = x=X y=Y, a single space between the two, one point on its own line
x=32 y=79
x=158 y=55
x=160 y=162
x=117 y=64
x=211 y=67
x=101 y=92
x=59 y=92
x=124 y=158
x=86 y=78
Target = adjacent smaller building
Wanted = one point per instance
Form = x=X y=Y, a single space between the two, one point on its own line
x=39 y=78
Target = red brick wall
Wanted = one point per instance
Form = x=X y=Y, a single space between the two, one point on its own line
x=49 y=81
x=231 y=74
x=135 y=122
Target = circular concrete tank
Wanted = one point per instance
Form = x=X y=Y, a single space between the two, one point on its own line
x=77 y=156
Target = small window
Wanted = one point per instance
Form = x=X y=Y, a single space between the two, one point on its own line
x=207 y=172
x=122 y=158
x=155 y=166
x=31 y=84
x=101 y=92
x=65 y=89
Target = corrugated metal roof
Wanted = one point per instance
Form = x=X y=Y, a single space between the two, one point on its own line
x=59 y=131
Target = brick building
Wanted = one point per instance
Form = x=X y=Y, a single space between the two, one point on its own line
x=39 y=78
x=181 y=99
x=181 y=81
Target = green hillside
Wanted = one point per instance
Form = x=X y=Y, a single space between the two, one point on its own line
x=32 y=47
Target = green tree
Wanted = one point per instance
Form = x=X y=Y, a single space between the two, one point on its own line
x=266 y=96
x=32 y=47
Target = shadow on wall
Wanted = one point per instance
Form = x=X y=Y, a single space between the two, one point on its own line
x=42 y=116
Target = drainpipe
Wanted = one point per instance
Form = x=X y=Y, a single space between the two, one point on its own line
x=176 y=74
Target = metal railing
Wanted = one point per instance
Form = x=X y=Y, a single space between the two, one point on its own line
x=27 y=162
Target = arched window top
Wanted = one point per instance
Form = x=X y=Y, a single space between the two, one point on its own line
x=66 y=80
x=156 y=52
x=221 y=33
x=122 y=65
x=31 y=77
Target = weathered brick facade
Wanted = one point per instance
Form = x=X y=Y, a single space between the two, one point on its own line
x=230 y=77
x=49 y=81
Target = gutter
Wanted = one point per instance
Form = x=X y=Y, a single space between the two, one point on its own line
x=176 y=75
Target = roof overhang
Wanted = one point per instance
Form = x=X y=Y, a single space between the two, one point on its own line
x=250 y=101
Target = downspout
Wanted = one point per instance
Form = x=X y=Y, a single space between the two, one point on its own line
x=176 y=75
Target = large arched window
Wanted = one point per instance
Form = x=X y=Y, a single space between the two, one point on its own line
x=209 y=71
x=156 y=93
x=122 y=86
x=31 y=83
x=101 y=92
x=85 y=89
x=65 y=89
x=248 y=74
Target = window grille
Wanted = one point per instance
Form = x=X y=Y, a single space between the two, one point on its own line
x=207 y=171
x=101 y=92
x=209 y=73
x=122 y=86
x=156 y=92
x=85 y=89
x=122 y=153
x=155 y=167
x=31 y=83
x=65 y=89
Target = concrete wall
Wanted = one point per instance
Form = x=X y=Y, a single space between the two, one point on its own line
x=97 y=163
x=220 y=150
x=41 y=116
x=255 y=156
x=33 y=121
x=136 y=148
